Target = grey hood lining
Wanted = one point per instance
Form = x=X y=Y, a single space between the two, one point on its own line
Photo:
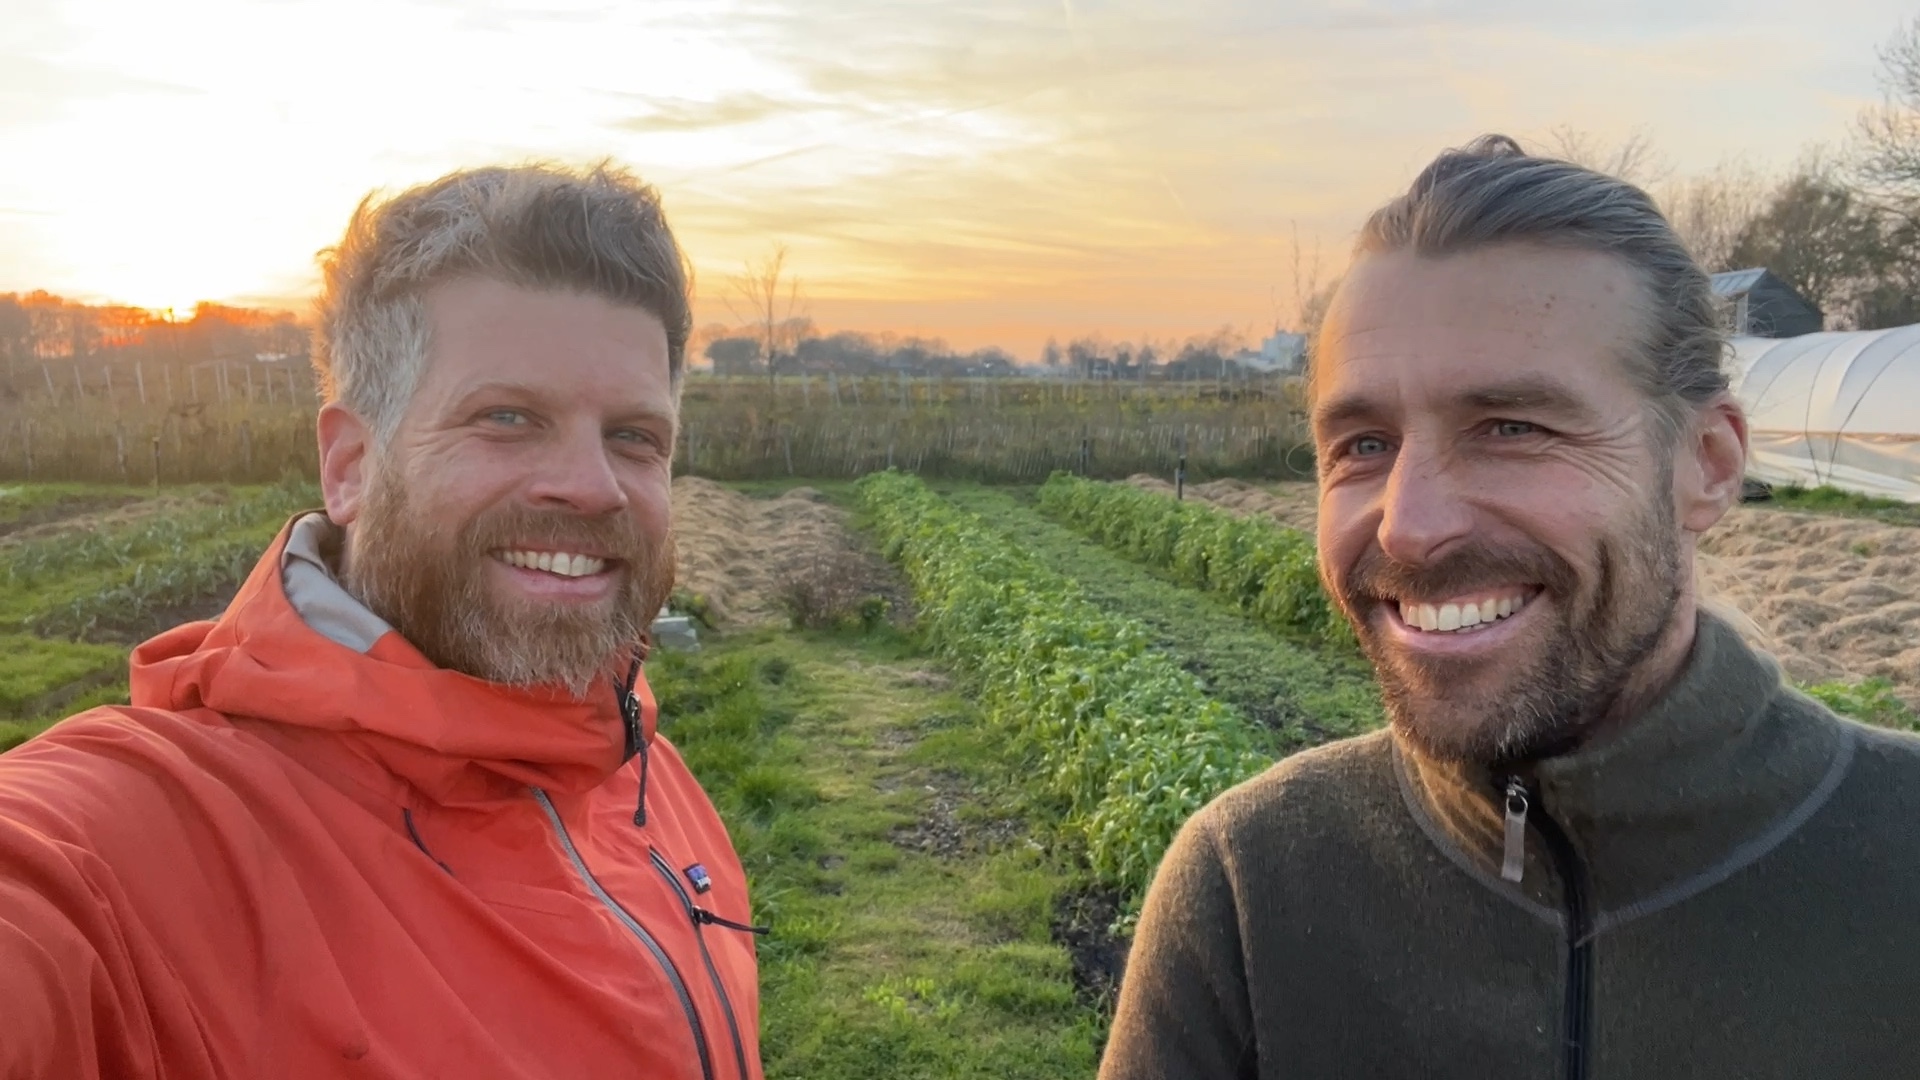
x=317 y=596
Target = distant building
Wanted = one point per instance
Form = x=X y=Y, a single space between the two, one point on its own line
x=1754 y=303
x=1284 y=353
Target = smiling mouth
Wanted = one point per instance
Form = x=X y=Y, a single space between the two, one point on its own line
x=560 y=563
x=1465 y=614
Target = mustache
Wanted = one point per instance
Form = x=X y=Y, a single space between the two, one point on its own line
x=1378 y=576
x=612 y=536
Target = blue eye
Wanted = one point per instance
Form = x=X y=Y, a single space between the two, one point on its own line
x=509 y=417
x=1514 y=428
x=1367 y=445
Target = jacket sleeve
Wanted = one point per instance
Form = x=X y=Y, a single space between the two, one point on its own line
x=64 y=974
x=1183 y=1009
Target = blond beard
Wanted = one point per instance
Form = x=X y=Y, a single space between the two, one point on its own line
x=432 y=588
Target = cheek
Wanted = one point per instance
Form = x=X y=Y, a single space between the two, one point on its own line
x=650 y=499
x=1342 y=532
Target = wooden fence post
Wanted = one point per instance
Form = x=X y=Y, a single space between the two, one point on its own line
x=140 y=381
x=120 y=449
x=156 y=464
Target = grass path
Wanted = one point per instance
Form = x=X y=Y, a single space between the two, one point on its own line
x=1307 y=694
x=911 y=910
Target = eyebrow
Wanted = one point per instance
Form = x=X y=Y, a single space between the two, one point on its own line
x=531 y=392
x=1530 y=393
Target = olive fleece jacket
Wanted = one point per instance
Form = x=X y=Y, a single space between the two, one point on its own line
x=1728 y=888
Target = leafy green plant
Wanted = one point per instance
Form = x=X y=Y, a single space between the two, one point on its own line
x=1872 y=702
x=154 y=539
x=1266 y=569
x=1127 y=743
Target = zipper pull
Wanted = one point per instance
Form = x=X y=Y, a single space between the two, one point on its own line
x=1514 y=866
x=702 y=915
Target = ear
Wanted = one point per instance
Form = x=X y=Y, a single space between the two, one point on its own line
x=1710 y=464
x=345 y=443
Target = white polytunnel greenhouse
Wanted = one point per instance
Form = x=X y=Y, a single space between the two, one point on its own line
x=1841 y=409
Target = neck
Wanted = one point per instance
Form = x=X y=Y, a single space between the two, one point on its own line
x=1652 y=679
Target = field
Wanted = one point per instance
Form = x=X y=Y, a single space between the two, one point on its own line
x=238 y=428
x=951 y=725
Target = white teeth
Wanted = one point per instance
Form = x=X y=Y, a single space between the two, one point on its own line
x=561 y=563
x=1448 y=618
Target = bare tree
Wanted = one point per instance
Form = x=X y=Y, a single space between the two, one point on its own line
x=1711 y=211
x=766 y=297
x=1306 y=280
x=1818 y=236
x=1886 y=155
x=1633 y=159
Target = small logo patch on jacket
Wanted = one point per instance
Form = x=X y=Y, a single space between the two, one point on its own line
x=697 y=874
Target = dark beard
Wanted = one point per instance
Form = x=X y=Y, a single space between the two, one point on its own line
x=430 y=586
x=1593 y=648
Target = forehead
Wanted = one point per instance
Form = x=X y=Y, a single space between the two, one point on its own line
x=486 y=329
x=1410 y=331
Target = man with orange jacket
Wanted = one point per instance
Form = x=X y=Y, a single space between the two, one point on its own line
x=401 y=811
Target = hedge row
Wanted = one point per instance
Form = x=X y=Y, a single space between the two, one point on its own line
x=1268 y=570
x=1127 y=743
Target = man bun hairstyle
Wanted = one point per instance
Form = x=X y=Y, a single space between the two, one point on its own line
x=1491 y=191
x=598 y=231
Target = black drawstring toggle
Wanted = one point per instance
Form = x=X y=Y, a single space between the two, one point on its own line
x=701 y=914
x=636 y=734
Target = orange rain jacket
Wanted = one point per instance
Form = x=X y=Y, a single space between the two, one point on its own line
x=292 y=858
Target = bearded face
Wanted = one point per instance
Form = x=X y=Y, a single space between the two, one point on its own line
x=1506 y=519
x=452 y=590
x=1560 y=647
x=513 y=523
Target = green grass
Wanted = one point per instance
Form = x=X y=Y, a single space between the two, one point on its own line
x=1832 y=500
x=1871 y=701
x=18 y=501
x=885 y=960
x=108 y=583
x=1308 y=694
x=32 y=668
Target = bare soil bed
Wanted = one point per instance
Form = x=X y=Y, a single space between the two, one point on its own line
x=1832 y=597
x=739 y=553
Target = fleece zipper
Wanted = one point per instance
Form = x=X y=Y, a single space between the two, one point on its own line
x=694 y=914
x=639 y=931
x=1522 y=809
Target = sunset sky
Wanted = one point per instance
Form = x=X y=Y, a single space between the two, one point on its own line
x=993 y=173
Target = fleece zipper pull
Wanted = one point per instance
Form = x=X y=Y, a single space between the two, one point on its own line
x=1513 y=866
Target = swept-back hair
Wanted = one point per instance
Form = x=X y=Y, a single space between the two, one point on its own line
x=1491 y=192
x=597 y=231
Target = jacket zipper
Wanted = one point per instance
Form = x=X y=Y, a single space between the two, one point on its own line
x=694 y=914
x=633 y=924
x=1576 y=891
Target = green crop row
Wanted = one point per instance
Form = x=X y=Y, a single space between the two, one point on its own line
x=1267 y=570
x=155 y=539
x=1127 y=743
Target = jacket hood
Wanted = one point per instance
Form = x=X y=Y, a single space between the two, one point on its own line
x=456 y=738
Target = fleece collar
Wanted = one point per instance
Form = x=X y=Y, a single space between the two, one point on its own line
x=1706 y=781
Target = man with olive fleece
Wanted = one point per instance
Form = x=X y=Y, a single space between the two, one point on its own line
x=1600 y=837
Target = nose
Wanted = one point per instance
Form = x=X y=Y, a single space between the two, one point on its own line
x=1423 y=509
x=577 y=475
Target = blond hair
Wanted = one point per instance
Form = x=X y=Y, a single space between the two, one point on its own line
x=597 y=231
